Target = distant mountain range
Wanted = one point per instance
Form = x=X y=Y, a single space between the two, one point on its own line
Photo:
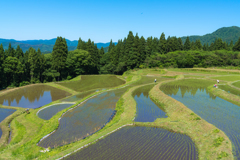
x=45 y=46
x=226 y=33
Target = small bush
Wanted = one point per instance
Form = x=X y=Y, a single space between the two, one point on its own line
x=222 y=154
x=69 y=77
x=216 y=131
x=24 y=83
x=197 y=118
x=192 y=114
x=218 y=141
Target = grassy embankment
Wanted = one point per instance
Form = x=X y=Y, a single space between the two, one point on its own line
x=23 y=146
x=4 y=124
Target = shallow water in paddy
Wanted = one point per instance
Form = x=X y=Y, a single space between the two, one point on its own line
x=4 y=112
x=147 y=110
x=85 y=119
x=217 y=111
x=32 y=96
x=50 y=111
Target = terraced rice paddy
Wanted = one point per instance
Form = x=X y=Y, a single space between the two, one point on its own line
x=93 y=82
x=219 y=112
x=85 y=119
x=78 y=96
x=32 y=96
x=229 y=89
x=147 y=110
x=49 y=112
x=140 y=143
x=236 y=84
x=227 y=78
x=4 y=112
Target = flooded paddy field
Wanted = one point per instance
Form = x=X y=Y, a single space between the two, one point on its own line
x=147 y=110
x=32 y=96
x=93 y=82
x=4 y=112
x=78 y=96
x=50 y=111
x=85 y=119
x=140 y=143
x=219 y=112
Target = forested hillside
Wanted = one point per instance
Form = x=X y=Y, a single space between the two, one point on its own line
x=227 y=34
x=19 y=68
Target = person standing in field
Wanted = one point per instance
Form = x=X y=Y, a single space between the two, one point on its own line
x=217 y=81
x=155 y=80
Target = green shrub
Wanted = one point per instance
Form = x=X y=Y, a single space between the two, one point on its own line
x=222 y=154
x=197 y=118
x=218 y=141
x=216 y=131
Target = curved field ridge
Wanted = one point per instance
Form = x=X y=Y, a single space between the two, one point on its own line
x=4 y=112
x=147 y=110
x=229 y=89
x=140 y=143
x=217 y=111
x=84 y=120
x=49 y=111
x=89 y=82
x=78 y=97
x=236 y=84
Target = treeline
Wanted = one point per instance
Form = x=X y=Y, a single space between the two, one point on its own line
x=18 y=68
x=134 y=52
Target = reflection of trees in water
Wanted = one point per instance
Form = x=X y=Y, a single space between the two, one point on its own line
x=143 y=90
x=173 y=90
x=33 y=93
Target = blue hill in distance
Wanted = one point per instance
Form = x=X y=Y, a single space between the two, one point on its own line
x=226 y=33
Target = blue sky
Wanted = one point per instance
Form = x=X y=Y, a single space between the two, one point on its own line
x=107 y=19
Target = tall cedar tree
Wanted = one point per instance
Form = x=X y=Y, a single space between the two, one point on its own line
x=10 y=51
x=198 y=44
x=236 y=46
x=129 y=50
x=187 y=45
x=162 y=44
x=33 y=62
x=59 y=56
x=1 y=66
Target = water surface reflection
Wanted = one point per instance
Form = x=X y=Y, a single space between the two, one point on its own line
x=32 y=96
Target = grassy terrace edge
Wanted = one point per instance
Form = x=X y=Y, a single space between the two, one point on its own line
x=180 y=119
x=4 y=124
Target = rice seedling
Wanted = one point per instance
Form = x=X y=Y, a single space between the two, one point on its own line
x=140 y=143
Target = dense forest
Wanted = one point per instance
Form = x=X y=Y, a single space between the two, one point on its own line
x=18 y=68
